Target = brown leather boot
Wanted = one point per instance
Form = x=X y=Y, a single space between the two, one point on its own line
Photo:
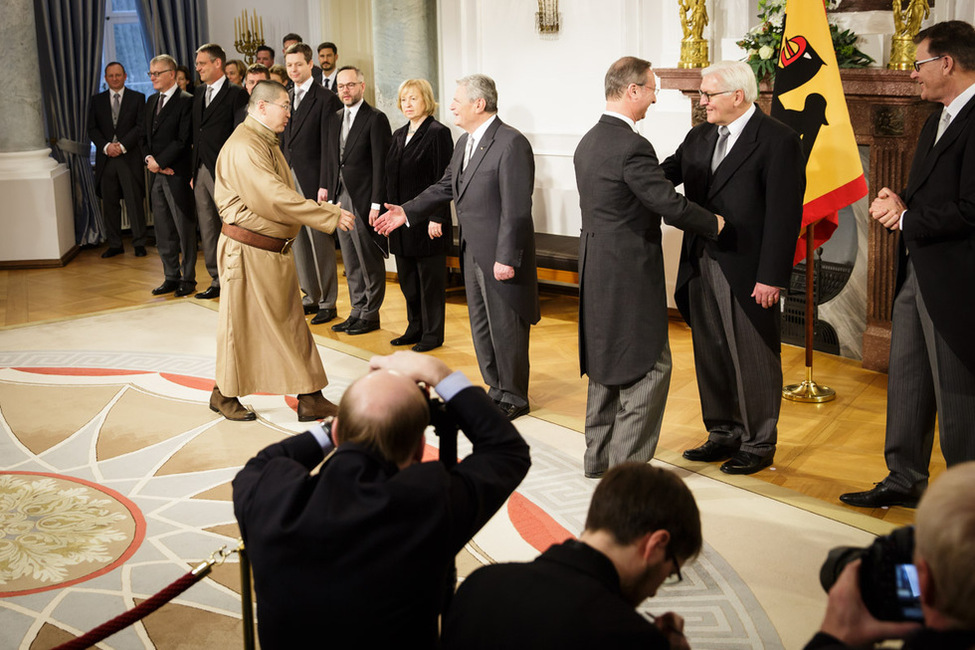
x=230 y=407
x=314 y=406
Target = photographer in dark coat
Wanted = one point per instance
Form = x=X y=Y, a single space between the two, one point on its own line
x=943 y=550
x=358 y=554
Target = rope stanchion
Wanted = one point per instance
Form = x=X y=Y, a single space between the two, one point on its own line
x=151 y=604
x=246 y=602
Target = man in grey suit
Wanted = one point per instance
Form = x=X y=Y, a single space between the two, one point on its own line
x=623 y=343
x=490 y=178
x=932 y=350
x=751 y=169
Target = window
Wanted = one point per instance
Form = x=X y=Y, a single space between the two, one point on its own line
x=124 y=43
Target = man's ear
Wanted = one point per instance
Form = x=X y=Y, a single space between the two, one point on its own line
x=926 y=582
x=420 y=446
x=335 y=431
x=652 y=543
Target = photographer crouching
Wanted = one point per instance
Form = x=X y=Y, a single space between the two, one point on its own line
x=361 y=551
x=881 y=589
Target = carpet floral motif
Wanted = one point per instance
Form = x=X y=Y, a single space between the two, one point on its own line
x=48 y=526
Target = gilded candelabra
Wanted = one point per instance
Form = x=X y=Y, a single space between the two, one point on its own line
x=693 y=47
x=907 y=23
x=248 y=34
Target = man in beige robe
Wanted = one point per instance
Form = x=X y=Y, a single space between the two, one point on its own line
x=263 y=341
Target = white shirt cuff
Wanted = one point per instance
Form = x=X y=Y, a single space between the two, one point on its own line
x=900 y=224
x=323 y=437
x=451 y=385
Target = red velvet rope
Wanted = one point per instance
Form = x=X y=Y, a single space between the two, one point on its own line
x=138 y=612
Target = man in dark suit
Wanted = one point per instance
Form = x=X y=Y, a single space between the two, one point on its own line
x=932 y=351
x=497 y=236
x=749 y=168
x=294 y=39
x=215 y=109
x=328 y=56
x=264 y=56
x=374 y=525
x=355 y=171
x=643 y=524
x=304 y=145
x=623 y=342
x=168 y=138
x=115 y=126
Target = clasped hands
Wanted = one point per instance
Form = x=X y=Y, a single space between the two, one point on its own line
x=887 y=208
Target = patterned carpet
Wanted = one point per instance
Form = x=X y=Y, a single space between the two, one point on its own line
x=114 y=481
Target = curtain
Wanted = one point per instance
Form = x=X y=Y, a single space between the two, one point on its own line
x=174 y=27
x=69 y=43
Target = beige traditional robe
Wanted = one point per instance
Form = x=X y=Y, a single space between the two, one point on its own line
x=263 y=341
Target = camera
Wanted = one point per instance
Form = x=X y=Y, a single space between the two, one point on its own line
x=888 y=578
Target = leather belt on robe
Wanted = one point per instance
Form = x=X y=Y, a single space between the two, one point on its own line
x=257 y=240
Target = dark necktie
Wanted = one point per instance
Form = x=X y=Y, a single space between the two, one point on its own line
x=159 y=105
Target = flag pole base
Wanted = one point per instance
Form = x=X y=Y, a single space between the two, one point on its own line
x=808 y=391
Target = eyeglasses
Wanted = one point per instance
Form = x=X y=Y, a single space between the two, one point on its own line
x=674 y=577
x=348 y=85
x=153 y=75
x=918 y=64
x=285 y=106
x=707 y=96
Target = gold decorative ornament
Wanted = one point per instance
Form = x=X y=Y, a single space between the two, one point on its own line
x=548 y=18
x=693 y=47
x=248 y=34
x=907 y=23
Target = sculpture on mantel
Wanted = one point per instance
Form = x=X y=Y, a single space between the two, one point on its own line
x=693 y=47
x=907 y=23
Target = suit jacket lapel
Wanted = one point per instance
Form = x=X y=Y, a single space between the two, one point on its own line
x=934 y=149
x=479 y=152
x=208 y=110
x=744 y=147
x=420 y=132
x=304 y=108
x=358 y=124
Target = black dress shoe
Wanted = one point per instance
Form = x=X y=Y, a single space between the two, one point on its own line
x=185 y=289
x=166 y=287
x=345 y=325
x=405 y=340
x=511 y=411
x=710 y=451
x=744 y=462
x=880 y=496
x=363 y=326
x=112 y=252
x=209 y=294
x=323 y=316
x=424 y=347
x=140 y=251
x=310 y=309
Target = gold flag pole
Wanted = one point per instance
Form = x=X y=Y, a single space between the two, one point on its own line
x=809 y=391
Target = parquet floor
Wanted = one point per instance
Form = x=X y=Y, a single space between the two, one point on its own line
x=823 y=450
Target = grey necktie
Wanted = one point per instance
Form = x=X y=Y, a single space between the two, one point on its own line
x=943 y=124
x=159 y=104
x=299 y=95
x=721 y=148
x=346 y=125
x=209 y=96
x=116 y=102
x=468 y=152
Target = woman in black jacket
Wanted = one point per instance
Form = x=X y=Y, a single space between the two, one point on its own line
x=417 y=158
